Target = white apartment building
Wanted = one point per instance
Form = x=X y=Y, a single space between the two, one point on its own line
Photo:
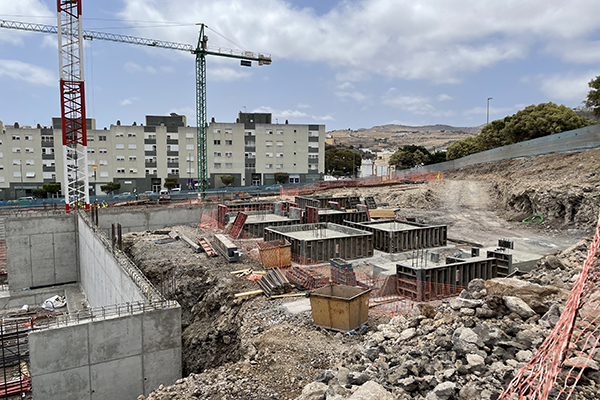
x=140 y=157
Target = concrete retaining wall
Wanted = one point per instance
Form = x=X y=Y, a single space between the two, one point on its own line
x=147 y=219
x=117 y=358
x=103 y=278
x=40 y=250
x=578 y=139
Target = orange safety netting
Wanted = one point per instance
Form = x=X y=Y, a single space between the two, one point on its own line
x=559 y=363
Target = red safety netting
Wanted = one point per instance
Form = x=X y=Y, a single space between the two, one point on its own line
x=561 y=360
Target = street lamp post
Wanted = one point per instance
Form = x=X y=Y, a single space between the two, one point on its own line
x=94 y=167
x=21 y=173
x=488 y=109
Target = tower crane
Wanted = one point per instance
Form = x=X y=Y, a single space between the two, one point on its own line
x=75 y=106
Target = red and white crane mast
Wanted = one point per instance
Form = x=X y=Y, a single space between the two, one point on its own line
x=72 y=102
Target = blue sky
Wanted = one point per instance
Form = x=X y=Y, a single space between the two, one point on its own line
x=345 y=64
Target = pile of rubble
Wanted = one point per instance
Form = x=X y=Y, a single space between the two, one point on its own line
x=468 y=348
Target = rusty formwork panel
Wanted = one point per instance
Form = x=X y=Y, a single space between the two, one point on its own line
x=277 y=253
x=394 y=236
x=323 y=201
x=248 y=206
x=304 y=202
x=428 y=283
x=324 y=241
x=343 y=217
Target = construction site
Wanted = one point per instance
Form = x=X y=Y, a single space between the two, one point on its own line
x=191 y=294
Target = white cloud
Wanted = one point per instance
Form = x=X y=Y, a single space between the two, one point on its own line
x=36 y=11
x=129 y=101
x=134 y=68
x=413 y=104
x=20 y=71
x=303 y=106
x=345 y=85
x=438 y=41
x=323 y=118
x=566 y=87
x=227 y=74
x=444 y=97
x=354 y=95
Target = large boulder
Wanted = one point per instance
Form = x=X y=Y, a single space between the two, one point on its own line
x=371 y=390
x=517 y=305
x=536 y=296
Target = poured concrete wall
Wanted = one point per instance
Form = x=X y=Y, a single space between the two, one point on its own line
x=147 y=219
x=103 y=278
x=40 y=250
x=117 y=358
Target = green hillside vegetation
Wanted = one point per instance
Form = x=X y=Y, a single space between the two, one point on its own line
x=530 y=123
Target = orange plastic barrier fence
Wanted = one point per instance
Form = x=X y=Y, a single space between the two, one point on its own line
x=560 y=361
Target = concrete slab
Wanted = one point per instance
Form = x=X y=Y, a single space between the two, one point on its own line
x=316 y=234
x=394 y=226
x=261 y=218
x=298 y=306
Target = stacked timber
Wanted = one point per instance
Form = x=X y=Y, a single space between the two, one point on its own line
x=275 y=283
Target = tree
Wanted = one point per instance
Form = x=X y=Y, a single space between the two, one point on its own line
x=282 y=177
x=593 y=97
x=38 y=193
x=345 y=161
x=110 y=187
x=227 y=179
x=409 y=156
x=542 y=120
x=170 y=183
x=437 y=157
x=493 y=134
x=462 y=148
x=52 y=188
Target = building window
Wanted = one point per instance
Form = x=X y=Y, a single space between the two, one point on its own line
x=119 y=134
x=91 y=151
x=132 y=158
x=48 y=139
x=16 y=137
x=189 y=158
x=149 y=136
x=249 y=133
x=250 y=155
x=228 y=154
x=173 y=136
x=30 y=174
x=229 y=165
x=217 y=165
x=173 y=171
x=102 y=138
x=120 y=158
x=103 y=162
x=313 y=133
x=28 y=137
x=132 y=147
x=228 y=130
x=173 y=160
x=131 y=135
x=89 y=138
x=120 y=146
x=190 y=170
x=228 y=142
x=269 y=155
x=17 y=174
x=16 y=149
x=269 y=132
x=16 y=162
x=102 y=151
x=279 y=144
x=28 y=150
x=268 y=143
x=250 y=144
x=279 y=166
x=120 y=170
x=269 y=166
x=217 y=142
x=189 y=136
x=103 y=174
x=313 y=166
x=217 y=154
x=172 y=147
x=280 y=132
x=29 y=162
x=313 y=145
x=189 y=147
x=279 y=154
x=49 y=175
x=133 y=170
x=217 y=131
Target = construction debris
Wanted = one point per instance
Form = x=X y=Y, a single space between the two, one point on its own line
x=275 y=283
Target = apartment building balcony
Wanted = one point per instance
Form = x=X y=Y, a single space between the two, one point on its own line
x=172 y=165
x=172 y=141
x=172 y=175
x=250 y=148
x=48 y=169
x=150 y=164
x=313 y=139
x=172 y=153
x=47 y=144
x=47 y=156
x=150 y=153
x=313 y=149
x=149 y=141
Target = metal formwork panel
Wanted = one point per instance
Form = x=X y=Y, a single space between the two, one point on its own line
x=390 y=241
x=257 y=229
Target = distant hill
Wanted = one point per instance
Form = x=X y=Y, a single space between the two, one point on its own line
x=391 y=136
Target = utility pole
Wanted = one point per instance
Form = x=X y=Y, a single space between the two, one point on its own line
x=488 y=110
